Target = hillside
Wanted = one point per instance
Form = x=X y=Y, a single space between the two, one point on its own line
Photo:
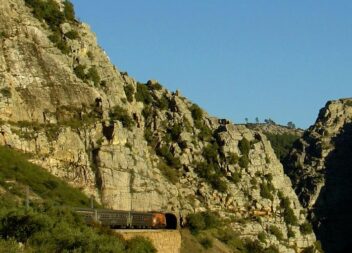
x=281 y=137
x=134 y=145
x=320 y=168
x=48 y=224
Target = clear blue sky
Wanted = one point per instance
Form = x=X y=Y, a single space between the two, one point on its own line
x=278 y=59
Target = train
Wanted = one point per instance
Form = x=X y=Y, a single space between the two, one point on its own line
x=128 y=219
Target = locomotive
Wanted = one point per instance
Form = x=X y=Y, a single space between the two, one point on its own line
x=123 y=219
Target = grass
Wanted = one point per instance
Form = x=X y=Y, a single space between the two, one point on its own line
x=50 y=224
x=14 y=167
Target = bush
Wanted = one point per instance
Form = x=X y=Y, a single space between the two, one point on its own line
x=210 y=153
x=129 y=91
x=244 y=146
x=163 y=103
x=272 y=249
x=170 y=173
x=196 y=223
x=93 y=76
x=6 y=92
x=276 y=232
x=205 y=133
x=154 y=85
x=201 y=221
x=306 y=228
x=72 y=35
x=143 y=94
x=197 y=112
x=206 y=242
x=289 y=217
x=175 y=132
x=80 y=71
x=9 y=246
x=48 y=11
x=262 y=237
x=69 y=11
x=236 y=177
x=265 y=191
x=121 y=114
x=244 y=162
x=165 y=152
x=232 y=158
x=290 y=233
x=281 y=143
x=140 y=244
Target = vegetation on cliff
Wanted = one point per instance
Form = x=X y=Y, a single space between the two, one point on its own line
x=49 y=224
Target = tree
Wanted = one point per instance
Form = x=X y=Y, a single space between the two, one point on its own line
x=246 y=119
x=257 y=120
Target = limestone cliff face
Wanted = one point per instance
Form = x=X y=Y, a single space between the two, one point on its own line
x=131 y=145
x=320 y=169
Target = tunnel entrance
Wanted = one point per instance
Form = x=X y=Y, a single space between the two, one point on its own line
x=171 y=221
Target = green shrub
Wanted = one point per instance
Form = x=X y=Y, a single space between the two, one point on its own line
x=129 y=91
x=218 y=183
x=72 y=35
x=236 y=177
x=244 y=162
x=69 y=11
x=48 y=11
x=9 y=246
x=276 y=232
x=262 y=237
x=140 y=244
x=206 y=242
x=170 y=173
x=232 y=158
x=290 y=233
x=121 y=114
x=6 y=92
x=143 y=94
x=306 y=228
x=93 y=76
x=201 y=221
x=210 y=153
x=163 y=103
x=80 y=71
x=266 y=191
x=165 y=152
x=175 y=132
x=281 y=143
x=272 y=249
x=205 y=133
x=253 y=247
x=197 y=112
x=244 y=146
x=289 y=217
x=154 y=85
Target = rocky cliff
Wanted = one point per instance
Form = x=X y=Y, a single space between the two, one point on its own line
x=132 y=145
x=320 y=169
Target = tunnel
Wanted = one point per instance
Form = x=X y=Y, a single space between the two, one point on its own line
x=171 y=221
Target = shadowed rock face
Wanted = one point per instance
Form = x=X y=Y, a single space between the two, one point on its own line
x=320 y=167
x=332 y=211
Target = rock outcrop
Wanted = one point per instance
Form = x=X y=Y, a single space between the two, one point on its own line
x=131 y=145
x=320 y=169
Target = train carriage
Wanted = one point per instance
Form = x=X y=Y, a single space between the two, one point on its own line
x=123 y=219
